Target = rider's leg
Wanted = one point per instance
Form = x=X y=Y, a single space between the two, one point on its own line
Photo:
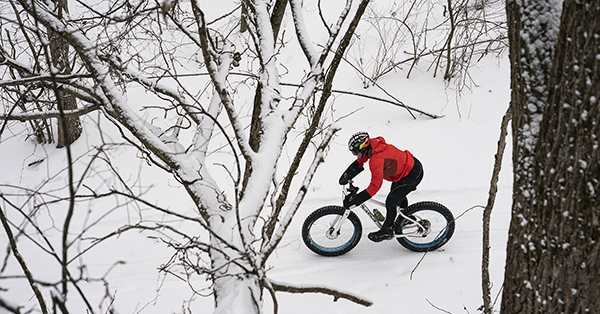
x=400 y=190
x=397 y=196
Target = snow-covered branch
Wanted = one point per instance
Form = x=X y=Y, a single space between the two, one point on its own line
x=302 y=33
x=335 y=31
x=319 y=158
x=109 y=57
x=116 y=106
x=218 y=80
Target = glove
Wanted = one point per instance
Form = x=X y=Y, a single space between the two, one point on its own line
x=356 y=199
x=353 y=170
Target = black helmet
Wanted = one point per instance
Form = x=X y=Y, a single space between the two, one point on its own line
x=359 y=143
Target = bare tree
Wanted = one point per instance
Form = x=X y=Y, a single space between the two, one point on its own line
x=448 y=36
x=553 y=242
x=119 y=45
x=69 y=128
x=39 y=97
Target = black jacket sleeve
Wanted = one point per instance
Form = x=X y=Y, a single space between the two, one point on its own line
x=353 y=170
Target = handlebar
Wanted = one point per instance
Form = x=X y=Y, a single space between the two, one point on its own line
x=351 y=188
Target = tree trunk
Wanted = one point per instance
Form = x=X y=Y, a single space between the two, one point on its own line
x=236 y=287
x=69 y=128
x=552 y=258
x=530 y=68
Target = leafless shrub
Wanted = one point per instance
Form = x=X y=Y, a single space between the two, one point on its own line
x=450 y=36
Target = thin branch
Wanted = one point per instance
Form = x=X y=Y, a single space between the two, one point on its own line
x=10 y=307
x=437 y=308
x=441 y=231
x=34 y=79
x=28 y=116
x=487 y=215
x=13 y=246
x=395 y=102
x=381 y=88
x=336 y=294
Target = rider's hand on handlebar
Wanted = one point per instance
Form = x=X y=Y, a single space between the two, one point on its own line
x=348 y=200
x=355 y=199
x=351 y=189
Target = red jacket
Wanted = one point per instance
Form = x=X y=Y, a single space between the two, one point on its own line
x=386 y=162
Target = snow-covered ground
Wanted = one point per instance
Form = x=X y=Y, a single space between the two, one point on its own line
x=458 y=155
x=457 y=152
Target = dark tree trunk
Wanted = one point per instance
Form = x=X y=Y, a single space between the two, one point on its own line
x=69 y=128
x=553 y=263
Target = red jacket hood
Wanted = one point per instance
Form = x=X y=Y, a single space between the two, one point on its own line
x=378 y=144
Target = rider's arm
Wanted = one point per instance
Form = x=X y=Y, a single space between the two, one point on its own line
x=376 y=167
x=353 y=170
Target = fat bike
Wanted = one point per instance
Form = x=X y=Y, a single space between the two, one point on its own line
x=334 y=230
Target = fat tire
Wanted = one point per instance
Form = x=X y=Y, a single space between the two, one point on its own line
x=446 y=231
x=321 y=248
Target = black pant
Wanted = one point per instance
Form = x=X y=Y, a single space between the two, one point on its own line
x=400 y=190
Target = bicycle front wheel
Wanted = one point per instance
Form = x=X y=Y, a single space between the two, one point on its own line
x=430 y=225
x=321 y=237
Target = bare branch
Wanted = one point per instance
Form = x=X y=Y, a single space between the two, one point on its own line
x=336 y=294
x=487 y=215
x=28 y=116
x=13 y=246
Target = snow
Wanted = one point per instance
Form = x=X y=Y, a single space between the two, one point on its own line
x=457 y=152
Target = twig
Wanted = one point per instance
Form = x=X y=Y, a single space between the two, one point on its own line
x=318 y=289
x=10 y=307
x=27 y=116
x=13 y=246
x=395 y=101
x=437 y=308
x=380 y=88
x=441 y=231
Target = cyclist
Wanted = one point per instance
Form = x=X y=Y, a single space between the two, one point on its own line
x=385 y=162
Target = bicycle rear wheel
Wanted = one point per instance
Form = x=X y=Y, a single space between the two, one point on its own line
x=430 y=226
x=319 y=236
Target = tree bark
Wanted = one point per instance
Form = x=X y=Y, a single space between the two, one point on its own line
x=69 y=128
x=552 y=258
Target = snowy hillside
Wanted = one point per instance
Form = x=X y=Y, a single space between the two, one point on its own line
x=457 y=152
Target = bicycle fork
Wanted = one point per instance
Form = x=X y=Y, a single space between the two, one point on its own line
x=336 y=226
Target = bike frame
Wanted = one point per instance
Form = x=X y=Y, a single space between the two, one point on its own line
x=337 y=224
